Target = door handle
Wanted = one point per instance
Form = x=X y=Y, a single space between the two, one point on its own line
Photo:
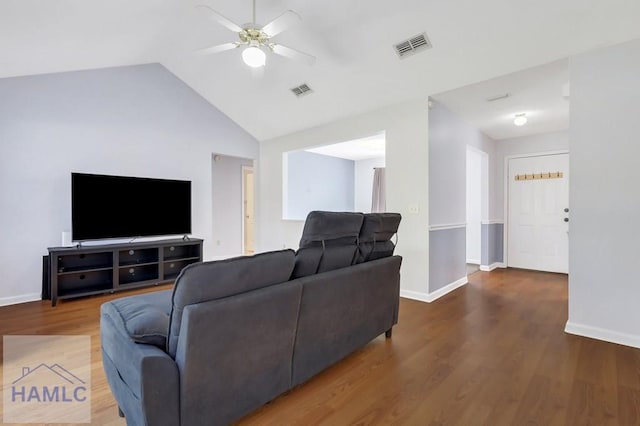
x=566 y=219
x=566 y=209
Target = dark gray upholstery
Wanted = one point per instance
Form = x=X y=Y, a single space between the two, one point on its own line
x=242 y=332
x=372 y=292
x=146 y=320
x=214 y=280
x=243 y=357
x=144 y=378
x=329 y=241
x=375 y=236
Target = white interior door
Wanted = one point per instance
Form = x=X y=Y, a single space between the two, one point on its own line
x=538 y=212
x=248 y=213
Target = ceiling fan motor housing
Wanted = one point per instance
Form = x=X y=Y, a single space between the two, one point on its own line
x=248 y=35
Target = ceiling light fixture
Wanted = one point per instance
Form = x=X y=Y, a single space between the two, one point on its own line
x=254 y=56
x=520 y=120
x=256 y=41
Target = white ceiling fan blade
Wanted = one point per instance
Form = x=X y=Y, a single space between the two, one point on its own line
x=219 y=18
x=292 y=53
x=217 y=48
x=281 y=23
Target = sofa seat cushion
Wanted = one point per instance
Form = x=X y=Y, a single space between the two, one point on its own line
x=144 y=318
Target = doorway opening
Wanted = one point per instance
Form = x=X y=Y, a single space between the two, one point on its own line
x=248 y=218
x=229 y=201
x=477 y=210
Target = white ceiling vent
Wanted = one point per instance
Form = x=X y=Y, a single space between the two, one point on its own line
x=413 y=45
x=301 y=90
x=498 y=97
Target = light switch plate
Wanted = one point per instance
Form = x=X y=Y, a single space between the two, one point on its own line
x=414 y=208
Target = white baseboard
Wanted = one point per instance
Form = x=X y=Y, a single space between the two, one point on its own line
x=23 y=298
x=446 y=289
x=430 y=297
x=415 y=295
x=493 y=266
x=632 y=340
x=473 y=261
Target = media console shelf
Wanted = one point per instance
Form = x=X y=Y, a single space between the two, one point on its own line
x=82 y=271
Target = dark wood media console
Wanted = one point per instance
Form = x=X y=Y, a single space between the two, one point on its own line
x=86 y=270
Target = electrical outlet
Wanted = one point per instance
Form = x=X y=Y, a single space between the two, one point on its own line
x=414 y=208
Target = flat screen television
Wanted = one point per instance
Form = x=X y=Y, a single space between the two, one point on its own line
x=122 y=206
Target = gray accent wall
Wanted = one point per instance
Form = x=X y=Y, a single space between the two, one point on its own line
x=318 y=182
x=492 y=243
x=603 y=236
x=447 y=254
x=132 y=121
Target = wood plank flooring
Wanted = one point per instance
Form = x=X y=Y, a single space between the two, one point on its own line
x=490 y=353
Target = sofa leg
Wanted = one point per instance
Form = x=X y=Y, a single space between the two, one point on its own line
x=387 y=333
x=120 y=413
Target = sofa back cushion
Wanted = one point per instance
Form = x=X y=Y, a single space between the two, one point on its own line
x=235 y=353
x=329 y=241
x=342 y=310
x=375 y=236
x=207 y=281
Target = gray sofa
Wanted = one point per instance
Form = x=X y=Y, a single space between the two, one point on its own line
x=234 y=334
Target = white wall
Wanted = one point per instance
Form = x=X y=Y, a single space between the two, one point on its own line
x=139 y=121
x=406 y=128
x=317 y=182
x=604 y=202
x=363 y=183
x=545 y=142
x=449 y=137
x=226 y=187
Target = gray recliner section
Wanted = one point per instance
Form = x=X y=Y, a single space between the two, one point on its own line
x=375 y=236
x=329 y=241
x=240 y=332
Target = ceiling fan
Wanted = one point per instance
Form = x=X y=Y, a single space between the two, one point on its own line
x=257 y=40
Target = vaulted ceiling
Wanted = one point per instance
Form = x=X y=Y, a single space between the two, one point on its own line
x=357 y=69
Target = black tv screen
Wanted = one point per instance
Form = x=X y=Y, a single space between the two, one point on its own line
x=119 y=206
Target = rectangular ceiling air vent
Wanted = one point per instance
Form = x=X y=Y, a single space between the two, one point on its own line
x=303 y=89
x=498 y=97
x=413 y=45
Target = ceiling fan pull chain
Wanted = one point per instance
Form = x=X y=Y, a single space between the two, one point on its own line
x=254 y=13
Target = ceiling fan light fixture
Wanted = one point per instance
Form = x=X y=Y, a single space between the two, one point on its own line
x=256 y=40
x=254 y=57
x=520 y=120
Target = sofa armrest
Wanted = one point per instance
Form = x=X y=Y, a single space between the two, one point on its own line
x=143 y=378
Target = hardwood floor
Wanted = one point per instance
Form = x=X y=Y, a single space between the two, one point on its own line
x=492 y=352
